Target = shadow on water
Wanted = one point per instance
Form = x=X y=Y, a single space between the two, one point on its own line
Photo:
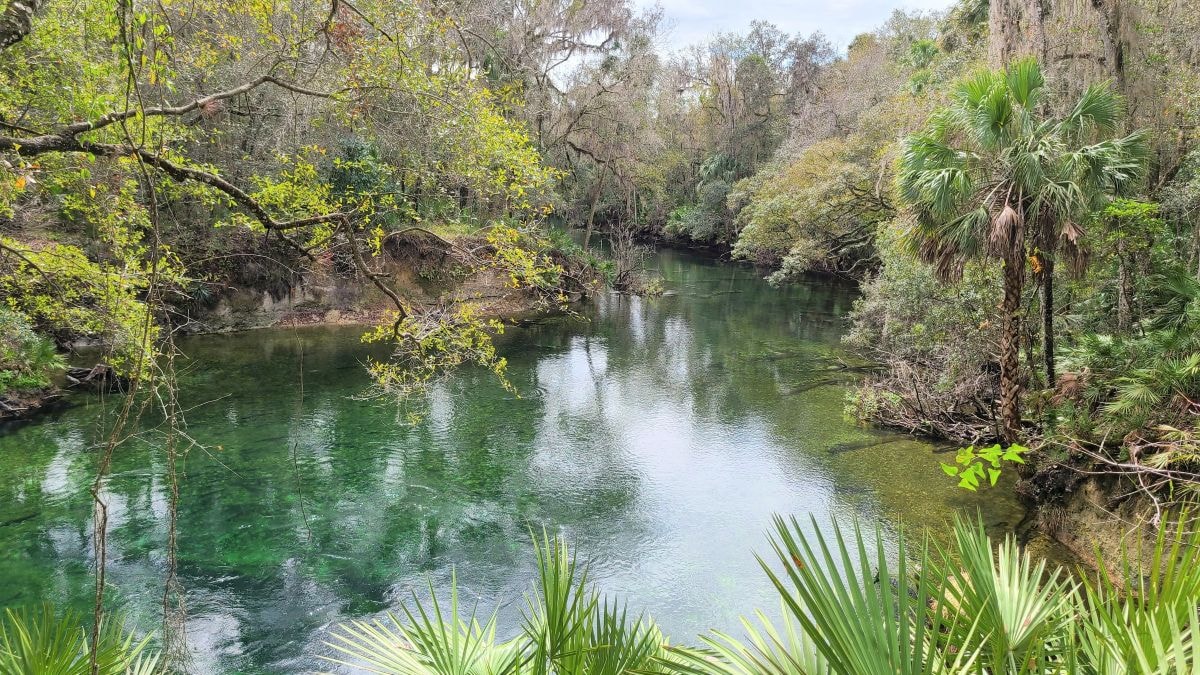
x=658 y=435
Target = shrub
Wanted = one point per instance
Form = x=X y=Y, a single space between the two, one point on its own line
x=28 y=361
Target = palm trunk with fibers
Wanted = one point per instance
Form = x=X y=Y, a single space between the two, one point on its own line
x=1010 y=343
x=1048 y=318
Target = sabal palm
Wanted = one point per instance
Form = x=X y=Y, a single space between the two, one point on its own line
x=991 y=173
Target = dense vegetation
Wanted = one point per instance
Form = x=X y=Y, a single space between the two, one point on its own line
x=157 y=157
x=1015 y=187
x=349 y=140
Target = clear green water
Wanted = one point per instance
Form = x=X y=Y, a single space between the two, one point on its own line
x=659 y=436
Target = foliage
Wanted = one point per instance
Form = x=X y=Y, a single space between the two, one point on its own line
x=699 y=222
x=57 y=289
x=569 y=627
x=988 y=164
x=28 y=361
x=935 y=341
x=991 y=177
x=829 y=588
x=1134 y=381
x=37 y=642
x=425 y=351
x=817 y=212
x=973 y=464
x=523 y=259
x=127 y=135
x=849 y=606
x=816 y=206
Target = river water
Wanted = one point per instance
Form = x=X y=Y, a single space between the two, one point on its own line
x=658 y=435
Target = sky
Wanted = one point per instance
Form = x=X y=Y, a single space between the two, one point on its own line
x=692 y=21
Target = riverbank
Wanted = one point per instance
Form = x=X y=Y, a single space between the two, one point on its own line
x=431 y=273
x=324 y=299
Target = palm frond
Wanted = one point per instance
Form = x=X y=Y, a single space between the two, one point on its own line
x=1025 y=81
x=1099 y=109
x=428 y=642
x=859 y=621
x=560 y=609
x=37 y=642
x=766 y=650
x=1021 y=608
x=1146 y=620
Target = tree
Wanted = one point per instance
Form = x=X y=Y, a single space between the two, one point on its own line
x=991 y=174
x=116 y=126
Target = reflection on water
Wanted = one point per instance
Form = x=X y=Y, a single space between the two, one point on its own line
x=659 y=436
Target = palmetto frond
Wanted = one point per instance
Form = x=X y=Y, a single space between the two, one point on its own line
x=561 y=608
x=1152 y=626
x=36 y=642
x=861 y=621
x=850 y=606
x=1025 y=81
x=1098 y=110
x=429 y=641
x=765 y=650
x=1020 y=609
x=569 y=630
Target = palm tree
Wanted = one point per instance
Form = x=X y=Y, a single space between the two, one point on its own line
x=992 y=174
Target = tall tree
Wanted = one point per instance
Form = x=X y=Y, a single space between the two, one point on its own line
x=992 y=174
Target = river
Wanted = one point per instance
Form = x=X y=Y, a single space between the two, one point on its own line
x=659 y=435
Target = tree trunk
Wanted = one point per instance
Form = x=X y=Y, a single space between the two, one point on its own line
x=1110 y=15
x=16 y=21
x=1124 y=290
x=1016 y=28
x=587 y=234
x=1196 y=236
x=1010 y=344
x=1048 y=319
x=633 y=188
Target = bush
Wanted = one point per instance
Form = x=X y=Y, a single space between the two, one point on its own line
x=934 y=341
x=28 y=361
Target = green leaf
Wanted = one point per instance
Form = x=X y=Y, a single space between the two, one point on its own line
x=1014 y=452
x=991 y=455
x=966 y=455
